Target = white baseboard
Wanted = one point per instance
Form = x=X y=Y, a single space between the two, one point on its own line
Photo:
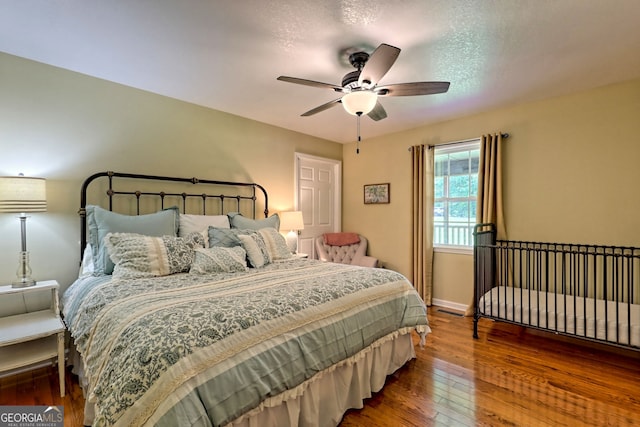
x=449 y=304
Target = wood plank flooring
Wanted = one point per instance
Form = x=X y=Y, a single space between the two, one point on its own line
x=508 y=377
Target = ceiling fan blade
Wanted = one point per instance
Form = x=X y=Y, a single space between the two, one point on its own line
x=378 y=112
x=412 y=89
x=322 y=107
x=378 y=64
x=310 y=83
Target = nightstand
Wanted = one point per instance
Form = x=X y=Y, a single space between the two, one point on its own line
x=299 y=255
x=33 y=337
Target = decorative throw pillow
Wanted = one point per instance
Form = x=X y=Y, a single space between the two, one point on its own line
x=238 y=221
x=101 y=222
x=225 y=237
x=256 y=249
x=219 y=260
x=136 y=255
x=275 y=243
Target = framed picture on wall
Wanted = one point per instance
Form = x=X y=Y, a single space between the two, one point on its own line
x=376 y=193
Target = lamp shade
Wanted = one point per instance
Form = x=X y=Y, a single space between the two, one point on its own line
x=21 y=194
x=360 y=101
x=291 y=220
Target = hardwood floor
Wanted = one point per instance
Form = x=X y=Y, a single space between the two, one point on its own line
x=40 y=387
x=508 y=377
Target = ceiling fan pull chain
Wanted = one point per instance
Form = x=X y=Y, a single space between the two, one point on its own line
x=358 y=143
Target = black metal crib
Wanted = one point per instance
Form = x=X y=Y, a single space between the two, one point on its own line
x=586 y=291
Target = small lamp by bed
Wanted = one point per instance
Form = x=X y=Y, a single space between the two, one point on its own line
x=293 y=222
x=23 y=195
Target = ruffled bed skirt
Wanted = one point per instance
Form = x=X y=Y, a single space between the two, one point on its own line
x=323 y=399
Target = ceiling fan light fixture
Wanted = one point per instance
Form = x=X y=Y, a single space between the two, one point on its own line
x=359 y=102
x=360 y=90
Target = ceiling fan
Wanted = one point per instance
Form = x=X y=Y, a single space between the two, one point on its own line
x=360 y=89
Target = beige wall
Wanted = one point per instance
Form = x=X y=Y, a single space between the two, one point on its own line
x=571 y=175
x=66 y=126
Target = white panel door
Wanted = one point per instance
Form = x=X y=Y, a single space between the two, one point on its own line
x=318 y=196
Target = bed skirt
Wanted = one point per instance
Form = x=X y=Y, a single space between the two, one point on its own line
x=323 y=399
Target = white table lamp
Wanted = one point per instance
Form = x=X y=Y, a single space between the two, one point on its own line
x=23 y=195
x=293 y=222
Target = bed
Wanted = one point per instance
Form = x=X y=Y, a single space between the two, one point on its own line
x=245 y=335
x=585 y=291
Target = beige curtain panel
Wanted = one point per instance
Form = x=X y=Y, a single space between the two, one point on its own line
x=489 y=202
x=489 y=207
x=422 y=220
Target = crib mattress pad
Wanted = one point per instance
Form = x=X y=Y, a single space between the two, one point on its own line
x=610 y=321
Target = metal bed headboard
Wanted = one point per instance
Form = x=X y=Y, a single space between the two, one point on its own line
x=236 y=196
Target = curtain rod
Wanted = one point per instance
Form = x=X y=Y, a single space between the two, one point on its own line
x=504 y=136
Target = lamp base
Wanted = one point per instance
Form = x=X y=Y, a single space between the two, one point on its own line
x=292 y=241
x=24 y=272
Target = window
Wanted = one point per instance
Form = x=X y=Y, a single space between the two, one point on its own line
x=455 y=193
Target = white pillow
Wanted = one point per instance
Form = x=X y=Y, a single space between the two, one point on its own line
x=200 y=224
x=86 y=266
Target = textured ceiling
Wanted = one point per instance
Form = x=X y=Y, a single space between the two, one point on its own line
x=227 y=54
